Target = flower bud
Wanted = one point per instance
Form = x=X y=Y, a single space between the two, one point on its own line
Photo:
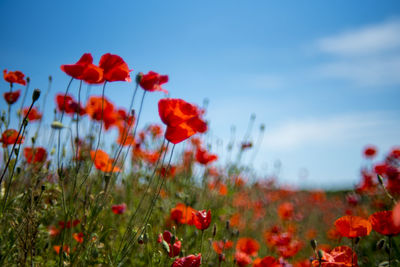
x=380 y=179
x=35 y=95
x=314 y=244
x=214 y=230
x=380 y=244
x=320 y=254
x=57 y=125
x=139 y=77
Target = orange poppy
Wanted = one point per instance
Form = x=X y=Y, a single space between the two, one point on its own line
x=14 y=77
x=339 y=256
x=34 y=114
x=9 y=137
x=220 y=246
x=103 y=162
x=84 y=70
x=35 y=155
x=78 y=237
x=152 y=81
x=12 y=97
x=286 y=210
x=382 y=222
x=353 y=226
x=183 y=214
x=267 y=261
x=101 y=109
x=248 y=245
x=58 y=248
x=114 y=68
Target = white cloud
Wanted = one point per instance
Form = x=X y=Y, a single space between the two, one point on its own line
x=368 y=40
x=336 y=130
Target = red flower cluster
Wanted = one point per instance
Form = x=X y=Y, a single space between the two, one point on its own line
x=174 y=248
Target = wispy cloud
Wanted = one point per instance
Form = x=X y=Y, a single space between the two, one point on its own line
x=366 y=57
x=334 y=130
x=372 y=39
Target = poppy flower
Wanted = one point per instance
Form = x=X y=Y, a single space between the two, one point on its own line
x=35 y=155
x=203 y=157
x=101 y=109
x=102 y=161
x=118 y=209
x=34 y=114
x=68 y=104
x=53 y=231
x=68 y=225
x=290 y=250
x=242 y=259
x=177 y=134
x=9 y=137
x=188 y=261
x=12 y=97
x=220 y=246
x=183 y=214
x=267 y=261
x=202 y=219
x=58 y=248
x=84 y=69
x=285 y=211
x=370 y=151
x=382 y=222
x=78 y=237
x=248 y=246
x=152 y=81
x=339 y=256
x=114 y=68
x=353 y=226
x=174 y=249
x=14 y=77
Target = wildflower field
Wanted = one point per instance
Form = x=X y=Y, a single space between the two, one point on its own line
x=88 y=198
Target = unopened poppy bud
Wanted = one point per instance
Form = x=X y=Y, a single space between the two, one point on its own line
x=35 y=95
x=139 y=77
x=25 y=122
x=262 y=127
x=57 y=125
x=33 y=140
x=50 y=78
x=314 y=244
x=227 y=225
x=28 y=79
x=380 y=244
x=380 y=179
x=214 y=230
x=320 y=254
x=357 y=240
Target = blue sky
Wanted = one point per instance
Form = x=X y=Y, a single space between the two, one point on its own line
x=323 y=76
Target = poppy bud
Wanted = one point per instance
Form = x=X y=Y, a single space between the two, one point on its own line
x=33 y=140
x=50 y=78
x=314 y=244
x=262 y=127
x=380 y=244
x=139 y=77
x=28 y=79
x=227 y=225
x=35 y=95
x=214 y=230
x=16 y=151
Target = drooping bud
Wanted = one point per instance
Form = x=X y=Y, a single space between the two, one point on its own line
x=314 y=244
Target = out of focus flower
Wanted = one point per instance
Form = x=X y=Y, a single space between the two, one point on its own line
x=183 y=214
x=34 y=114
x=188 y=261
x=242 y=259
x=382 y=222
x=267 y=261
x=68 y=104
x=14 y=77
x=248 y=245
x=35 y=155
x=152 y=81
x=285 y=211
x=9 y=137
x=339 y=256
x=370 y=151
x=174 y=248
x=102 y=161
x=119 y=208
x=12 y=97
x=78 y=237
x=203 y=157
x=220 y=246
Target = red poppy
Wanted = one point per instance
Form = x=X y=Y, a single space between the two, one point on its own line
x=370 y=151
x=118 y=209
x=102 y=161
x=202 y=219
x=175 y=248
x=353 y=226
x=267 y=261
x=12 y=97
x=35 y=155
x=339 y=256
x=203 y=157
x=285 y=211
x=188 y=261
x=78 y=237
x=14 y=77
x=396 y=215
x=9 y=137
x=152 y=81
x=69 y=223
x=248 y=246
x=84 y=69
x=177 y=134
x=290 y=249
x=242 y=259
x=53 y=231
x=68 y=104
x=101 y=109
x=183 y=214
x=34 y=114
x=114 y=68
x=220 y=246
x=382 y=222
x=58 y=248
